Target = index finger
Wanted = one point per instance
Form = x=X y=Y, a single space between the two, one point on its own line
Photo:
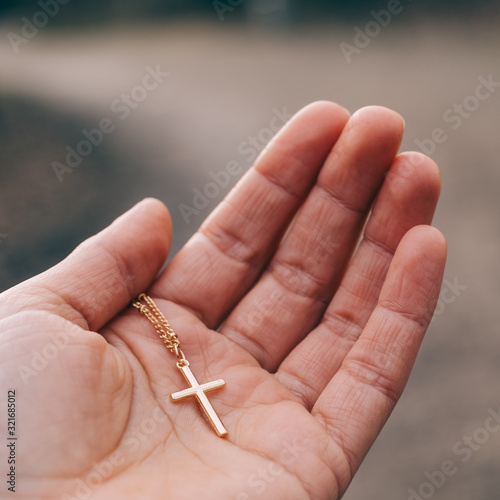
x=227 y=254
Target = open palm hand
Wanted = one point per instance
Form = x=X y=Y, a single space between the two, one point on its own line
x=314 y=335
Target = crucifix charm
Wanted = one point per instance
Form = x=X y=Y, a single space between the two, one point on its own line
x=148 y=308
x=198 y=391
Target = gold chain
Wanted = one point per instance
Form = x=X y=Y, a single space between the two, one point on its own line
x=149 y=309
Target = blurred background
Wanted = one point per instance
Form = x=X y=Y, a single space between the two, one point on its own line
x=85 y=133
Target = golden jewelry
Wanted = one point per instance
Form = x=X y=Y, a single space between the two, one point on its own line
x=148 y=308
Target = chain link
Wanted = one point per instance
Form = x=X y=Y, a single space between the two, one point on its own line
x=149 y=309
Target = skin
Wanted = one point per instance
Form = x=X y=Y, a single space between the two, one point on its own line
x=314 y=339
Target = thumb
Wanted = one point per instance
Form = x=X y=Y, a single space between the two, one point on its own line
x=100 y=277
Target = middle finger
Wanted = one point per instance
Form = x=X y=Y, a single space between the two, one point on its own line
x=302 y=277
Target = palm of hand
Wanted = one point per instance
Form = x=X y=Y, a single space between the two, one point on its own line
x=310 y=379
x=116 y=443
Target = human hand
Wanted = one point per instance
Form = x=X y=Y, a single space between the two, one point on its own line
x=315 y=346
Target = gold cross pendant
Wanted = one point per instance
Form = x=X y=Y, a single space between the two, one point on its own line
x=198 y=391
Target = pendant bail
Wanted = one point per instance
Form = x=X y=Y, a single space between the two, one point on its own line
x=181 y=360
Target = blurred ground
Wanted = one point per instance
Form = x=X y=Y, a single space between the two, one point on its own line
x=225 y=84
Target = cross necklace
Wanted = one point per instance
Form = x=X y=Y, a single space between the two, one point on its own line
x=148 y=308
